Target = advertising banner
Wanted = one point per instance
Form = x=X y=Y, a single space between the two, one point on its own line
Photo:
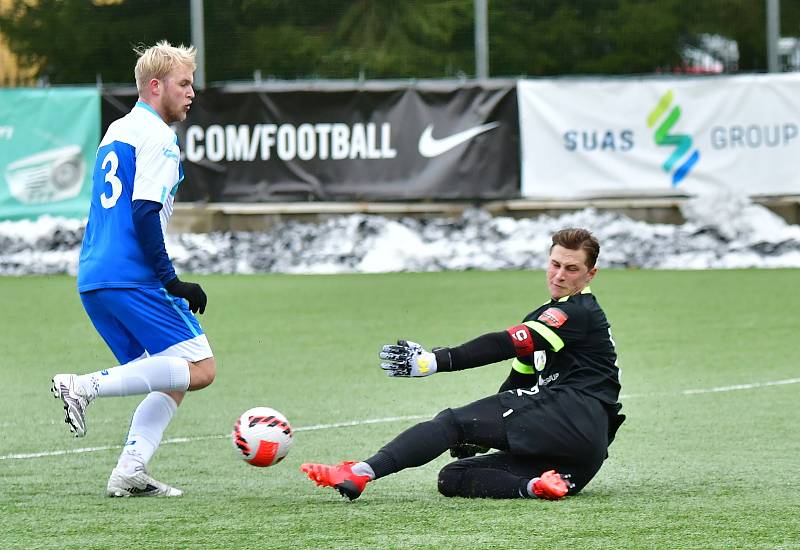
x=48 y=141
x=660 y=136
x=374 y=141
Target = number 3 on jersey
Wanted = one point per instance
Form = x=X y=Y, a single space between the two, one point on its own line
x=111 y=177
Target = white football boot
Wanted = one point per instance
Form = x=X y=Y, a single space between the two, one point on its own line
x=75 y=402
x=139 y=484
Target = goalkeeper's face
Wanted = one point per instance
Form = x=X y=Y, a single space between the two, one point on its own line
x=567 y=272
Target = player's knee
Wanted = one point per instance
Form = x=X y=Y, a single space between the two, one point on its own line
x=450 y=479
x=448 y=425
x=202 y=373
x=448 y=421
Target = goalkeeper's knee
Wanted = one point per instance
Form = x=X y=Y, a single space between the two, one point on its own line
x=450 y=480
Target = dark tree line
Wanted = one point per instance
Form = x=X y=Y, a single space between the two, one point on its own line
x=74 y=41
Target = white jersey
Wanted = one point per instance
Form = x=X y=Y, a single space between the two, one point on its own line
x=138 y=159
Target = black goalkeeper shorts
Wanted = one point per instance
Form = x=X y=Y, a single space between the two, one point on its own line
x=538 y=430
x=559 y=422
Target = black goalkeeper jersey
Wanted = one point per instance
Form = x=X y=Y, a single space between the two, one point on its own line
x=573 y=347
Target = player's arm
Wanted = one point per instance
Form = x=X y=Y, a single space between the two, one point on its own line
x=552 y=329
x=487 y=349
x=157 y=170
x=409 y=359
x=147 y=225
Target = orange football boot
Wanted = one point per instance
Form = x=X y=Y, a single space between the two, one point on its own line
x=339 y=476
x=551 y=485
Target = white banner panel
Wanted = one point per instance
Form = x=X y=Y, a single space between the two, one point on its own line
x=660 y=136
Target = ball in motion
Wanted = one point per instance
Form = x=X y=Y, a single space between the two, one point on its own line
x=262 y=436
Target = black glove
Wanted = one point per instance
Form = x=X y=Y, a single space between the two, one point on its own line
x=192 y=292
x=466 y=450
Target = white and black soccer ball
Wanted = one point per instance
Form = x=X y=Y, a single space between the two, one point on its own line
x=262 y=436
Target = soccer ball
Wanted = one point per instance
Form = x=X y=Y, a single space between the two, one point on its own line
x=262 y=436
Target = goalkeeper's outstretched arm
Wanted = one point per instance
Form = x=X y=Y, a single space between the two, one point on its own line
x=484 y=350
x=409 y=359
x=517 y=341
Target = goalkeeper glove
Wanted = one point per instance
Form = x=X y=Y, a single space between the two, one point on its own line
x=191 y=292
x=407 y=359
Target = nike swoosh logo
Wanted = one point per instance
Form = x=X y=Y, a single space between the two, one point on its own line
x=430 y=147
x=147 y=489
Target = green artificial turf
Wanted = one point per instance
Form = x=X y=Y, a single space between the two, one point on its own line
x=708 y=458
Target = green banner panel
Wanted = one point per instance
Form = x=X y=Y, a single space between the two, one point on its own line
x=48 y=142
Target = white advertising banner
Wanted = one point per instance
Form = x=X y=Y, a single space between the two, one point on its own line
x=660 y=136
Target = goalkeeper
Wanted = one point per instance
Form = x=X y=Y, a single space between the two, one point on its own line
x=551 y=422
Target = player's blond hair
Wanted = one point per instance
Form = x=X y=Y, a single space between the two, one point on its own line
x=159 y=60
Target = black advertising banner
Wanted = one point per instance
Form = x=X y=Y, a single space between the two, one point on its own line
x=328 y=141
x=115 y=103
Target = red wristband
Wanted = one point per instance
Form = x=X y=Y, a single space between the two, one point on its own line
x=522 y=339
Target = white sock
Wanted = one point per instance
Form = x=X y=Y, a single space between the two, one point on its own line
x=149 y=421
x=530 y=487
x=146 y=375
x=363 y=469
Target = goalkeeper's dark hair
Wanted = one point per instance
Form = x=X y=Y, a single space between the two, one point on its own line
x=575 y=238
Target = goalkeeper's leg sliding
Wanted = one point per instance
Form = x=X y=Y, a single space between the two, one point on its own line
x=424 y=442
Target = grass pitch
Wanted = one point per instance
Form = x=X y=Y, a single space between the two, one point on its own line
x=709 y=456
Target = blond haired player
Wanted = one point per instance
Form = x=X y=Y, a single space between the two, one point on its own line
x=126 y=281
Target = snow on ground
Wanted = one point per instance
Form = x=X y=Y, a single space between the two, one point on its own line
x=720 y=232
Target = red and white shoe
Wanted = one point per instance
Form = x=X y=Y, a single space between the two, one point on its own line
x=339 y=476
x=551 y=485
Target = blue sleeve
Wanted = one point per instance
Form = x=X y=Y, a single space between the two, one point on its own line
x=147 y=224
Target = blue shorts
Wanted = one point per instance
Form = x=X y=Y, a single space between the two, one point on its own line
x=141 y=322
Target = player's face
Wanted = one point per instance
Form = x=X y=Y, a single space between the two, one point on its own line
x=177 y=94
x=567 y=273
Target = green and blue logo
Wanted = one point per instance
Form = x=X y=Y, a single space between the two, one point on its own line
x=681 y=142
